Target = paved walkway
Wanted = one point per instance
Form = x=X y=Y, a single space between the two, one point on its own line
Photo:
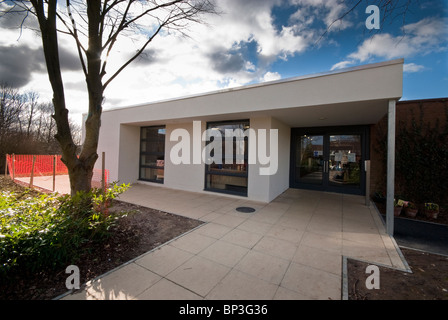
x=291 y=248
x=62 y=183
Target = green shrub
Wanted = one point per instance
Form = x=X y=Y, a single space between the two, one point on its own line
x=49 y=231
x=421 y=161
x=421 y=153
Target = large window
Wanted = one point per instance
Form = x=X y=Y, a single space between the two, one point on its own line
x=229 y=175
x=152 y=154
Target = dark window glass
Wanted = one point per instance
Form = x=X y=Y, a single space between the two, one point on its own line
x=152 y=154
x=229 y=172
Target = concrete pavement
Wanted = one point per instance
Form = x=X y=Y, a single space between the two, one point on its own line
x=291 y=248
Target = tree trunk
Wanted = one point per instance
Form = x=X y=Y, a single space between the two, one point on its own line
x=80 y=169
x=80 y=178
x=82 y=173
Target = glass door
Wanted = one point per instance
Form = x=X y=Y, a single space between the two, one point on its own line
x=309 y=160
x=329 y=159
x=345 y=161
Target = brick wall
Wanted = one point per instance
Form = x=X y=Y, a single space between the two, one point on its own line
x=430 y=111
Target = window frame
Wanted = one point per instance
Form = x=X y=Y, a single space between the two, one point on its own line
x=244 y=174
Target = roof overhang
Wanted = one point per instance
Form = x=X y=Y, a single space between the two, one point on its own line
x=351 y=96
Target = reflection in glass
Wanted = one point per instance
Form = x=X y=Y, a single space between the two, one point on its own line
x=227 y=183
x=310 y=159
x=345 y=160
x=228 y=171
x=152 y=154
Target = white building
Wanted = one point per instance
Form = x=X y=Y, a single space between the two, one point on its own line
x=322 y=122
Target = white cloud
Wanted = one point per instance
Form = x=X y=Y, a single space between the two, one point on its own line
x=189 y=66
x=342 y=64
x=329 y=11
x=418 y=39
x=246 y=38
x=271 y=76
x=421 y=37
x=412 y=67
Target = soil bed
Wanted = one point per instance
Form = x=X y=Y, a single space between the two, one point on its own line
x=428 y=280
x=142 y=230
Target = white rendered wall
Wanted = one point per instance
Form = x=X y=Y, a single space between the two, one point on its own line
x=109 y=142
x=183 y=176
x=258 y=185
x=280 y=181
x=129 y=154
x=266 y=188
x=121 y=143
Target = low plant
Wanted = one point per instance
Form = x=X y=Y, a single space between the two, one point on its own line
x=399 y=203
x=411 y=205
x=431 y=206
x=50 y=230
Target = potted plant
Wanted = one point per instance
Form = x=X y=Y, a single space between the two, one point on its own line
x=398 y=206
x=411 y=209
x=431 y=210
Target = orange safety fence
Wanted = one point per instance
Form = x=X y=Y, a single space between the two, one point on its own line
x=97 y=178
x=22 y=166
x=43 y=165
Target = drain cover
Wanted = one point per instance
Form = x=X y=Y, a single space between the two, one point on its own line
x=245 y=209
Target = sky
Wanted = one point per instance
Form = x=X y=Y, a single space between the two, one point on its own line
x=250 y=41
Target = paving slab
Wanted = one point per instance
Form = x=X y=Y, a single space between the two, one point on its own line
x=291 y=248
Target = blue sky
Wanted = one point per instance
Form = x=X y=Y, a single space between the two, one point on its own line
x=251 y=41
x=426 y=67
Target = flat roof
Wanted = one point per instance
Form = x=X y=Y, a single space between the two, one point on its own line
x=266 y=84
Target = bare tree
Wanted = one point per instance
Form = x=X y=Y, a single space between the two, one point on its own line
x=11 y=106
x=96 y=26
x=10 y=109
x=31 y=103
x=46 y=129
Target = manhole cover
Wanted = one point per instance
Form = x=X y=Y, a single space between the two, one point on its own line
x=245 y=209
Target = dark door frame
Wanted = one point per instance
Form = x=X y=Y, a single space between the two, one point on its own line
x=363 y=131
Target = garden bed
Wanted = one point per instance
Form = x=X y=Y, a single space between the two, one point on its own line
x=142 y=230
x=428 y=280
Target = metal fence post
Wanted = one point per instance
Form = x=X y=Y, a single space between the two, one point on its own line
x=54 y=173
x=367 y=168
x=103 y=173
x=13 y=167
x=6 y=165
x=32 y=172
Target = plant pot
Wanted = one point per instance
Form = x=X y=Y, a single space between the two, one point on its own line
x=432 y=214
x=411 y=213
x=397 y=211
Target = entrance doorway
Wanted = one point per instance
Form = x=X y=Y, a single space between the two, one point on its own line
x=329 y=159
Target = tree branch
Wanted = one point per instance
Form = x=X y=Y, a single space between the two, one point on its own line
x=74 y=34
x=133 y=58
